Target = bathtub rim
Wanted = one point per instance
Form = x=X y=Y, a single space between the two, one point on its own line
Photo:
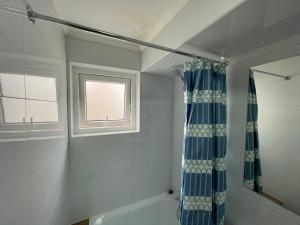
x=103 y=218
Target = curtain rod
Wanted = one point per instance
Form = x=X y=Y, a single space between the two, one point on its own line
x=286 y=77
x=32 y=16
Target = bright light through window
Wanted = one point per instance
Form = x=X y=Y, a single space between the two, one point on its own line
x=28 y=98
x=105 y=101
x=13 y=110
x=12 y=85
x=41 y=103
x=41 y=111
x=40 y=88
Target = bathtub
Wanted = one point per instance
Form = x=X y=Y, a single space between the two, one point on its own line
x=157 y=210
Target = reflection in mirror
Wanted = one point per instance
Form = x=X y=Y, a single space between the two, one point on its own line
x=41 y=100
x=272 y=152
x=29 y=102
x=13 y=110
x=12 y=105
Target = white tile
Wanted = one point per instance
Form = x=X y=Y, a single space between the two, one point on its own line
x=237 y=85
x=236 y=126
x=23 y=160
x=39 y=195
x=11 y=42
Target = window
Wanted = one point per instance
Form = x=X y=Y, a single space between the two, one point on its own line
x=28 y=103
x=105 y=100
x=99 y=96
x=41 y=99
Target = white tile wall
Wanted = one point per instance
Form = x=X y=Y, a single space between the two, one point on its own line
x=100 y=54
x=111 y=171
x=114 y=170
x=178 y=126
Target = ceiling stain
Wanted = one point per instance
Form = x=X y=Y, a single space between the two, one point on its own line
x=140 y=19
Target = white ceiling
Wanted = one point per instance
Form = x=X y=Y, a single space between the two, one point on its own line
x=140 y=19
x=289 y=66
x=285 y=67
x=253 y=24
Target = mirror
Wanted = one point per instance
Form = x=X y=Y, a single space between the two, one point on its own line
x=272 y=149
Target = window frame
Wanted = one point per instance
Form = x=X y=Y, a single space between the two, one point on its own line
x=82 y=95
x=81 y=72
x=27 y=128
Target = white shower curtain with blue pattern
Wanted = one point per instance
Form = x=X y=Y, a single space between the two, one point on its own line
x=203 y=183
x=252 y=164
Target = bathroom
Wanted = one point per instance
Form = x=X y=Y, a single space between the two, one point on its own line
x=65 y=159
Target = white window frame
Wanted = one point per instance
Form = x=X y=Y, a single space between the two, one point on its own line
x=14 y=131
x=81 y=72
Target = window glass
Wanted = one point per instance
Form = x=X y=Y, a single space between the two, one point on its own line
x=33 y=97
x=40 y=88
x=41 y=111
x=105 y=101
x=13 y=110
x=12 y=85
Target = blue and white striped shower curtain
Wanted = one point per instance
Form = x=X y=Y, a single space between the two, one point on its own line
x=203 y=183
x=252 y=166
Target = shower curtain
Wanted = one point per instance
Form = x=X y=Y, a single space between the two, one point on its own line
x=252 y=167
x=203 y=183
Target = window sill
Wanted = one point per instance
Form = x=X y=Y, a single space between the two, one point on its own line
x=22 y=139
x=105 y=133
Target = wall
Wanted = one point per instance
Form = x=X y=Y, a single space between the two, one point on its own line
x=33 y=172
x=279 y=134
x=114 y=170
x=178 y=134
x=243 y=206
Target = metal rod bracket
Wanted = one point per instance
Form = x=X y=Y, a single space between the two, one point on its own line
x=285 y=77
x=288 y=77
x=30 y=13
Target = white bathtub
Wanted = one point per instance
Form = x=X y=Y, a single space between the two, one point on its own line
x=157 y=210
